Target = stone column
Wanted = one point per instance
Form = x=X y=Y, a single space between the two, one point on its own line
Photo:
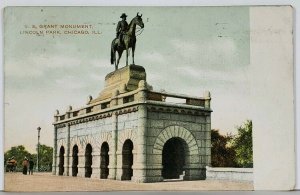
x=68 y=150
x=119 y=170
x=113 y=148
x=65 y=163
x=207 y=160
x=208 y=140
x=81 y=162
x=95 y=164
x=139 y=167
x=54 y=163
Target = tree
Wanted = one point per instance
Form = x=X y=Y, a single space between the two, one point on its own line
x=46 y=157
x=19 y=152
x=222 y=155
x=233 y=151
x=242 y=144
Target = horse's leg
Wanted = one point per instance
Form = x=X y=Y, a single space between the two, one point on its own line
x=113 y=52
x=116 y=60
x=120 y=55
x=127 y=56
x=133 y=48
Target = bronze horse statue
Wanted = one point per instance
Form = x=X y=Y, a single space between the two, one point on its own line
x=129 y=41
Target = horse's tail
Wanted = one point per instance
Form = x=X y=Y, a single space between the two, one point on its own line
x=111 y=56
x=112 y=53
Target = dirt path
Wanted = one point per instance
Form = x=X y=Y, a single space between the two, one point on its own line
x=46 y=182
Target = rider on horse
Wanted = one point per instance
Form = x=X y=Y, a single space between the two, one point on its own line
x=122 y=28
x=126 y=39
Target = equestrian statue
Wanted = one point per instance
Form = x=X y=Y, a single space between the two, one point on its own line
x=125 y=39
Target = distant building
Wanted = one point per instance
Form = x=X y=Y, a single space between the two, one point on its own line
x=131 y=132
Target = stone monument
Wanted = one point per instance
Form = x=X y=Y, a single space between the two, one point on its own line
x=132 y=132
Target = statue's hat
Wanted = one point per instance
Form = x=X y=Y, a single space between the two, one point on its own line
x=123 y=15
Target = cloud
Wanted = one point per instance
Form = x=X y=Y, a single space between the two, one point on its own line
x=101 y=63
x=70 y=82
x=154 y=80
x=38 y=65
x=63 y=71
x=213 y=53
x=185 y=48
x=237 y=75
x=153 y=57
x=97 y=77
x=21 y=68
x=189 y=70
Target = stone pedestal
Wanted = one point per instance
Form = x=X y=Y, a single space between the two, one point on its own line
x=124 y=80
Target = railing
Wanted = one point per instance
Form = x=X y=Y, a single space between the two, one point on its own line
x=189 y=100
x=138 y=95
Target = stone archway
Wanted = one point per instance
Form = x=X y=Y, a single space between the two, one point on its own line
x=75 y=161
x=104 y=161
x=190 y=152
x=127 y=160
x=175 y=131
x=174 y=158
x=61 y=161
x=88 y=160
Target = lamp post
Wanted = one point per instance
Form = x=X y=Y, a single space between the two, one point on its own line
x=38 y=150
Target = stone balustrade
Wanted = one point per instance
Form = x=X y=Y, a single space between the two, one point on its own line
x=129 y=98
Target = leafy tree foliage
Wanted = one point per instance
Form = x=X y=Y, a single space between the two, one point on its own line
x=46 y=157
x=222 y=155
x=242 y=144
x=19 y=152
x=233 y=151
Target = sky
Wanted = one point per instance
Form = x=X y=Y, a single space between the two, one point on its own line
x=185 y=50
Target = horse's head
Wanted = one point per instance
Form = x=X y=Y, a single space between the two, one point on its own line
x=138 y=20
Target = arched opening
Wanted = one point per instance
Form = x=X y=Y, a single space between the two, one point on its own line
x=88 y=160
x=61 y=161
x=75 y=161
x=104 y=161
x=174 y=157
x=127 y=160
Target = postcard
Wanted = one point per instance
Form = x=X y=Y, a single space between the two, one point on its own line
x=148 y=98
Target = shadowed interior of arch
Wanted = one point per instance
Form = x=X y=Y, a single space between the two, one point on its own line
x=61 y=161
x=75 y=161
x=127 y=160
x=174 y=158
x=88 y=160
x=104 y=171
